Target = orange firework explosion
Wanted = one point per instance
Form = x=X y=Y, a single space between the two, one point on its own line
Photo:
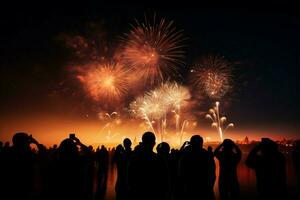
x=153 y=49
x=105 y=83
x=213 y=75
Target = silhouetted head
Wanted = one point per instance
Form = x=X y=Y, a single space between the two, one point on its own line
x=228 y=144
x=6 y=144
x=148 y=140
x=127 y=143
x=210 y=149
x=268 y=145
x=21 y=140
x=68 y=148
x=119 y=148
x=196 y=141
x=163 y=149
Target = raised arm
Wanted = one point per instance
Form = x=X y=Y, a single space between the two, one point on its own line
x=83 y=147
x=184 y=145
x=38 y=145
x=238 y=152
x=217 y=150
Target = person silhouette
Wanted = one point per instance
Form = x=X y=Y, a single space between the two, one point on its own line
x=102 y=160
x=147 y=172
x=6 y=183
x=2 y=160
x=163 y=150
x=89 y=172
x=1 y=151
x=269 y=166
x=21 y=163
x=197 y=171
x=296 y=162
x=6 y=145
x=127 y=144
x=210 y=150
x=121 y=158
x=229 y=156
x=68 y=177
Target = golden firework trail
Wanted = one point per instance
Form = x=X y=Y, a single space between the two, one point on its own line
x=218 y=122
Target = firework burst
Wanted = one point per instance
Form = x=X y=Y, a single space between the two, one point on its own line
x=106 y=82
x=213 y=75
x=155 y=106
x=154 y=49
x=152 y=107
x=218 y=122
x=175 y=94
x=141 y=109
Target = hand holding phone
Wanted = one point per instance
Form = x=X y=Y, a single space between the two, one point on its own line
x=32 y=140
x=186 y=143
x=72 y=136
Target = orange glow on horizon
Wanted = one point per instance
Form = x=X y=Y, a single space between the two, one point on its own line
x=52 y=130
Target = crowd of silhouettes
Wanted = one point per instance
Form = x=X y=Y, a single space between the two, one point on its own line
x=68 y=171
x=75 y=171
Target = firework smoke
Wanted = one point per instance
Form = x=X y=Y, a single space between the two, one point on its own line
x=92 y=44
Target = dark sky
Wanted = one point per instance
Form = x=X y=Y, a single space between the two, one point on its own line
x=265 y=43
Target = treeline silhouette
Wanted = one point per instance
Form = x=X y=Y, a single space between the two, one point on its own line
x=75 y=171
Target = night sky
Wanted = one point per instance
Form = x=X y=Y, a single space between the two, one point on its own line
x=264 y=44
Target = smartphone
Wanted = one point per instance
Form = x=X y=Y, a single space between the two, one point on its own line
x=72 y=136
x=186 y=143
